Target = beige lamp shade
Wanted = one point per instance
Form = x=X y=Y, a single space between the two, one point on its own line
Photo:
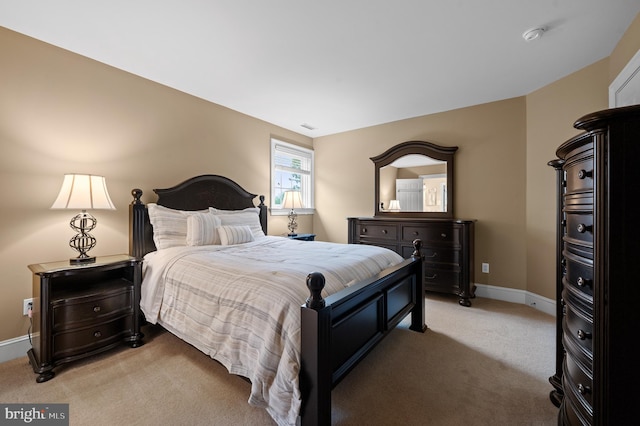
x=394 y=205
x=292 y=200
x=83 y=192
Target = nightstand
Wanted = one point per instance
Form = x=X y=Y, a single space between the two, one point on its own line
x=303 y=237
x=83 y=309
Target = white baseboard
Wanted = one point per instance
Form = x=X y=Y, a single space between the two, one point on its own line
x=14 y=348
x=536 y=301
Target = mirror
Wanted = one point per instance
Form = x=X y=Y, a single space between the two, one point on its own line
x=415 y=179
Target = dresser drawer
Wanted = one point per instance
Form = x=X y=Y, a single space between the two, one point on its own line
x=72 y=313
x=86 y=339
x=441 y=279
x=435 y=254
x=432 y=234
x=379 y=232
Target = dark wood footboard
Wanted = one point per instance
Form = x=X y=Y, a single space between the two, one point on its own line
x=339 y=331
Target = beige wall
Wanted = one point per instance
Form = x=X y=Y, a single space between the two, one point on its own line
x=61 y=113
x=489 y=178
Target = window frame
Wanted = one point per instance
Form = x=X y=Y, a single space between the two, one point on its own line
x=295 y=150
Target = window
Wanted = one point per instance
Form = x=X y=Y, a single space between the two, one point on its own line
x=291 y=169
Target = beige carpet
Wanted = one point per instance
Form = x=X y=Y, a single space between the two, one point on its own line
x=484 y=365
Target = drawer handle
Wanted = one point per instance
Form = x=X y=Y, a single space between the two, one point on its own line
x=582 y=281
x=443 y=235
x=97 y=334
x=384 y=231
x=364 y=230
x=583 y=390
x=582 y=335
x=435 y=254
x=584 y=174
x=582 y=228
x=432 y=277
x=416 y=233
x=96 y=309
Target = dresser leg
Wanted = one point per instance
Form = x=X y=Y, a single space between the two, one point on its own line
x=464 y=301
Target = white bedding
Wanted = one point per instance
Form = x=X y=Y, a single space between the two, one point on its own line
x=240 y=304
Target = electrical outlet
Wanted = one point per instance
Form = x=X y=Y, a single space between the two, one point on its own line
x=26 y=304
x=485 y=268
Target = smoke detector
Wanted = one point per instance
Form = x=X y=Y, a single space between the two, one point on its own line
x=533 y=33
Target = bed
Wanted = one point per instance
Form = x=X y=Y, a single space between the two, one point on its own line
x=334 y=302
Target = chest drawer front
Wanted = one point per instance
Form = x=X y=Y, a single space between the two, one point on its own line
x=580 y=228
x=578 y=382
x=579 y=173
x=72 y=313
x=579 y=327
x=433 y=234
x=379 y=231
x=86 y=339
x=579 y=275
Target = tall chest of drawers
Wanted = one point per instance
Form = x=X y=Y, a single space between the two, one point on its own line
x=600 y=245
x=447 y=246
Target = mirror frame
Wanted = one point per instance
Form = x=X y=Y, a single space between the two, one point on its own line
x=429 y=149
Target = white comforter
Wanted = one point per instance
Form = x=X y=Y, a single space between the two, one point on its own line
x=241 y=304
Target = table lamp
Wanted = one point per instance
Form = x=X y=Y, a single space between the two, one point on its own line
x=292 y=200
x=83 y=192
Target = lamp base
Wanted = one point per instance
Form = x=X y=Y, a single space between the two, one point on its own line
x=82 y=260
x=292 y=235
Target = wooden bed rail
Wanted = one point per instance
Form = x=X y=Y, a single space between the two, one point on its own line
x=339 y=331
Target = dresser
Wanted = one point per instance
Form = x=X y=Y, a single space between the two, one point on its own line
x=447 y=246
x=83 y=309
x=600 y=246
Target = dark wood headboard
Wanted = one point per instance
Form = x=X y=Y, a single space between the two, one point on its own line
x=197 y=193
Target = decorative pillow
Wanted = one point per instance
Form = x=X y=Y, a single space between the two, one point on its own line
x=247 y=217
x=230 y=235
x=201 y=229
x=169 y=225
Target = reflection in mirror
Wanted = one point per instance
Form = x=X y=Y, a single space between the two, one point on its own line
x=415 y=179
x=414 y=183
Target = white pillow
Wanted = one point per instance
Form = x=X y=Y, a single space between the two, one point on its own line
x=230 y=235
x=201 y=229
x=169 y=225
x=247 y=217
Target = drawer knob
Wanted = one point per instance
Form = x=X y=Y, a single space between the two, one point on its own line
x=416 y=233
x=583 y=390
x=364 y=230
x=384 y=231
x=584 y=174
x=582 y=335
x=97 y=334
x=582 y=281
x=96 y=309
x=582 y=228
x=443 y=235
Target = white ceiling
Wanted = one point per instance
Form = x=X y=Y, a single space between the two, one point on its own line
x=336 y=65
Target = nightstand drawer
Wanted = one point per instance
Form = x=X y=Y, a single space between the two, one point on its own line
x=83 y=340
x=72 y=313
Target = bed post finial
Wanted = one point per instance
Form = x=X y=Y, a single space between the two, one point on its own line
x=137 y=194
x=417 y=246
x=315 y=284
